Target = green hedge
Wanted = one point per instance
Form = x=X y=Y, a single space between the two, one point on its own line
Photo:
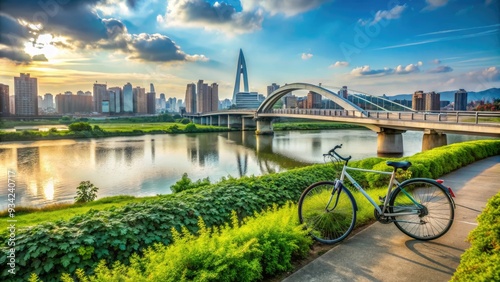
x=115 y=234
x=263 y=246
x=481 y=262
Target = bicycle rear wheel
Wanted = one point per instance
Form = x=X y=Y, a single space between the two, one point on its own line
x=329 y=214
x=436 y=212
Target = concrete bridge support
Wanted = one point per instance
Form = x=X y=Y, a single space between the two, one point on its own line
x=247 y=123
x=222 y=120
x=264 y=126
x=390 y=141
x=433 y=139
x=233 y=121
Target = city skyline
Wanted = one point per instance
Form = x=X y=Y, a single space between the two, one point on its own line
x=393 y=47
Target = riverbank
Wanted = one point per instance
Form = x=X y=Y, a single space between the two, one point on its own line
x=141 y=127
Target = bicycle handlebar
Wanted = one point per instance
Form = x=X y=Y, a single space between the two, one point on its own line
x=333 y=153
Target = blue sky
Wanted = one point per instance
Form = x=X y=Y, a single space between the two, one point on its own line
x=375 y=47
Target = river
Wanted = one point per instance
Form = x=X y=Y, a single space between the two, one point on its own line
x=48 y=172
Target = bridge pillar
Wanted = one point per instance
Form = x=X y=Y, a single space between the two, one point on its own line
x=222 y=120
x=390 y=141
x=264 y=126
x=433 y=139
x=233 y=121
x=247 y=123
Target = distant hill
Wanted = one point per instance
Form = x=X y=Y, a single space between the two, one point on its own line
x=486 y=95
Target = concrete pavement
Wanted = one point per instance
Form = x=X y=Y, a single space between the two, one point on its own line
x=383 y=253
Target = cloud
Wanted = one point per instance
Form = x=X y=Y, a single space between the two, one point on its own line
x=82 y=29
x=411 y=68
x=440 y=69
x=288 y=8
x=306 y=56
x=381 y=15
x=40 y=57
x=339 y=64
x=436 y=61
x=487 y=74
x=219 y=16
x=434 y=4
x=367 y=71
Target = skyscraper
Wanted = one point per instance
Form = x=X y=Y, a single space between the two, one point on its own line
x=117 y=100
x=432 y=101
x=190 y=98
x=100 y=93
x=4 y=100
x=48 y=101
x=460 y=100
x=271 y=88
x=151 y=102
x=343 y=92
x=26 y=95
x=418 y=101
x=139 y=100
x=241 y=69
x=128 y=99
x=313 y=100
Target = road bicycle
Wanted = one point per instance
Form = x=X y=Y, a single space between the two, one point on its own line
x=421 y=208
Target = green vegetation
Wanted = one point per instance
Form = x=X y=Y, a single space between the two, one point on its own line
x=116 y=234
x=186 y=183
x=310 y=125
x=264 y=245
x=481 y=262
x=86 y=192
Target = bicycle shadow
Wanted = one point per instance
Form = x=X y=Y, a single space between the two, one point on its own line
x=435 y=255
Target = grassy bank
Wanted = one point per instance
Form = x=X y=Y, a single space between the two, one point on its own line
x=312 y=125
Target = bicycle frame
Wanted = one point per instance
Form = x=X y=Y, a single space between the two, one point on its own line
x=392 y=181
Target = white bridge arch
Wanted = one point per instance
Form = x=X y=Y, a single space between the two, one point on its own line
x=282 y=91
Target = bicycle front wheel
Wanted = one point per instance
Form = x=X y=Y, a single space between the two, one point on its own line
x=329 y=214
x=435 y=213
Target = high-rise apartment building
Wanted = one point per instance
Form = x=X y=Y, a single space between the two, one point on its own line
x=71 y=104
x=343 y=92
x=291 y=102
x=151 y=102
x=128 y=99
x=190 y=98
x=432 y=101
x=48 y=101
x=139 y=100
x=271 y=88
x=100 y=93
x=460 y=100
x=426 y=101
x=115 y=99
x=12 y=104
x=313 y=100
x=26 y=95
x=4 y=100
x=418 y=101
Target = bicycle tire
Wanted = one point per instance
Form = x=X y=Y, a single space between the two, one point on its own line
x=439 y=210
x=327 y=227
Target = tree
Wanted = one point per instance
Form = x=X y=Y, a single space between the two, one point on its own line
x=86 y=192
x=80 y=126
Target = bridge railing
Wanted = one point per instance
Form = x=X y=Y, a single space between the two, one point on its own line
x=449 y=117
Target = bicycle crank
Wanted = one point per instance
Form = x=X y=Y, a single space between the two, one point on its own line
x=381 y=217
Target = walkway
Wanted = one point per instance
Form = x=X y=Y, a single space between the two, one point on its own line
x=382 y=253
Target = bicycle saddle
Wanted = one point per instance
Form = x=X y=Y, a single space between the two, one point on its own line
x=403 y=165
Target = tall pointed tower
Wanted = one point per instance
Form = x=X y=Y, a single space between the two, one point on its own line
x=240 y=70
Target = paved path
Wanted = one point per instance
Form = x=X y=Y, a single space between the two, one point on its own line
x=383 y=253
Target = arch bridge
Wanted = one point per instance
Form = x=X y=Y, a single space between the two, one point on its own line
x=358 y=109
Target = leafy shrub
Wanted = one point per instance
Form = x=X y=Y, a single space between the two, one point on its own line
x=190 y=127
x=86 y=192
x=263 y=245
x=53 y=130
x=184 y=121
x=80 y=126
x=186 y=183
x=481 y=262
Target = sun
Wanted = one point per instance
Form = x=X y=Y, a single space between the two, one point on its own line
x=42 y=46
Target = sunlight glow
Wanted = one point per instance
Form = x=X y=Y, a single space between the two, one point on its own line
x=43 y=45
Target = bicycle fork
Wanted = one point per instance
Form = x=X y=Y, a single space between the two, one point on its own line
x=335 y=194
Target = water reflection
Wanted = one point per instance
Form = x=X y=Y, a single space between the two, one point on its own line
x=49 y=171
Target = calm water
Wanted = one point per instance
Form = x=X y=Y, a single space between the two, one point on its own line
x=49 y=171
